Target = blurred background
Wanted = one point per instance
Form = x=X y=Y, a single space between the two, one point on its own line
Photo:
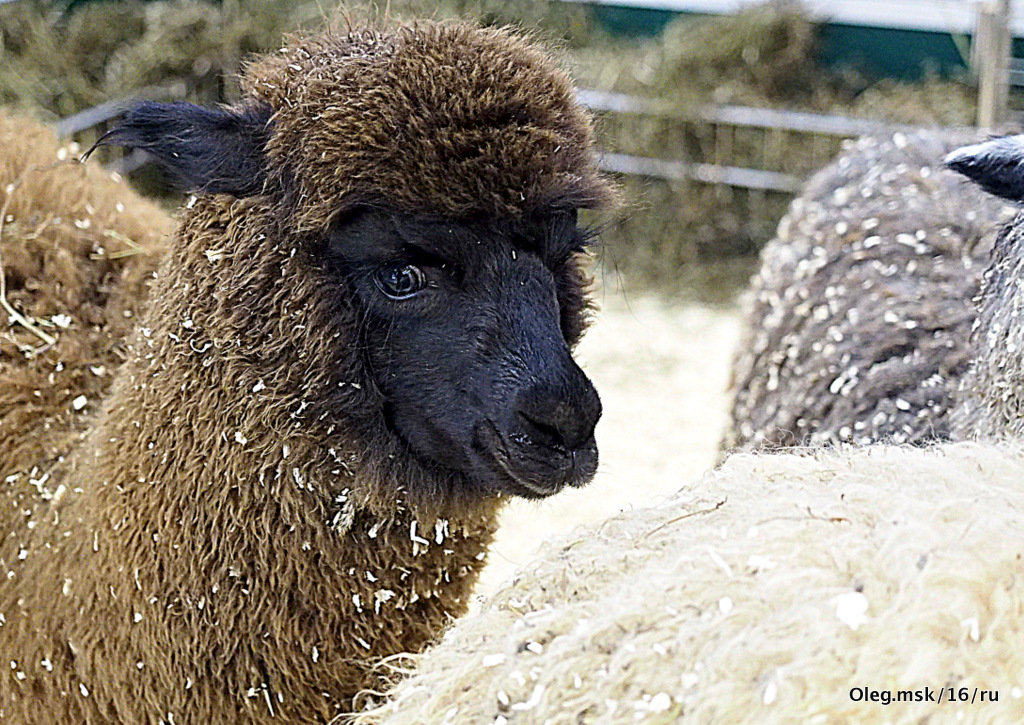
x=710 y=112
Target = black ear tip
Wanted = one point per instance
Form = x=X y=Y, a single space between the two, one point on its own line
x=128 y=130
x=215 y=150
x=975 y=157
x=997 y=165
x=960 y=159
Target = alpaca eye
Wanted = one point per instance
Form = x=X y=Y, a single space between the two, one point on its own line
x=400 y=281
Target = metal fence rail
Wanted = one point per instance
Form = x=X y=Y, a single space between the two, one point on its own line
x=769 y=119
x=775 y=123
x=91 y=117
x=706 y=173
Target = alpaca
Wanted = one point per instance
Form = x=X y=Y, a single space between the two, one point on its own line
x=989 y=400
x=858 y=322
x=837 y=586
x=77 y=250
x=356 y=347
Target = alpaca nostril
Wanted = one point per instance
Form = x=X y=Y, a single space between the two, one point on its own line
x=562 y=426
x=557 y=409
x=541 y=433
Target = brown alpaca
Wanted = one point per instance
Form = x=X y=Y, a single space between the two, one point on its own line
x=355 y=348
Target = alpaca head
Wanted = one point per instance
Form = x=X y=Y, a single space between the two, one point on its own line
x=429 y=178
x=996 y=165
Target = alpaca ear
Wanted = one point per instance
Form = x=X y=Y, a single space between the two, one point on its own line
x=220 y=151
x=997 y=165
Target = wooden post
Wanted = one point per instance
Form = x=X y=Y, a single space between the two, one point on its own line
x=992 y=55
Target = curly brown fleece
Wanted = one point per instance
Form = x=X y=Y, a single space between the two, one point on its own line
x=442 y=117
x=239 y=538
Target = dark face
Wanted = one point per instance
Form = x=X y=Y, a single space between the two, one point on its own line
x=467 y=331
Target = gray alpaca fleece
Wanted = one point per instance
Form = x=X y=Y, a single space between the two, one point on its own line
x=858 y=324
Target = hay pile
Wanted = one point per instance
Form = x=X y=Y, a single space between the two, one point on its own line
x=55 y=62
x=766 y=51
x=764 y=592
x=765 y=54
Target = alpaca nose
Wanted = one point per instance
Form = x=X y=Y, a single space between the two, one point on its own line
x=559 y=414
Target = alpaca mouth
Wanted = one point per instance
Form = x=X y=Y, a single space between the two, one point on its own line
x=523 y=468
